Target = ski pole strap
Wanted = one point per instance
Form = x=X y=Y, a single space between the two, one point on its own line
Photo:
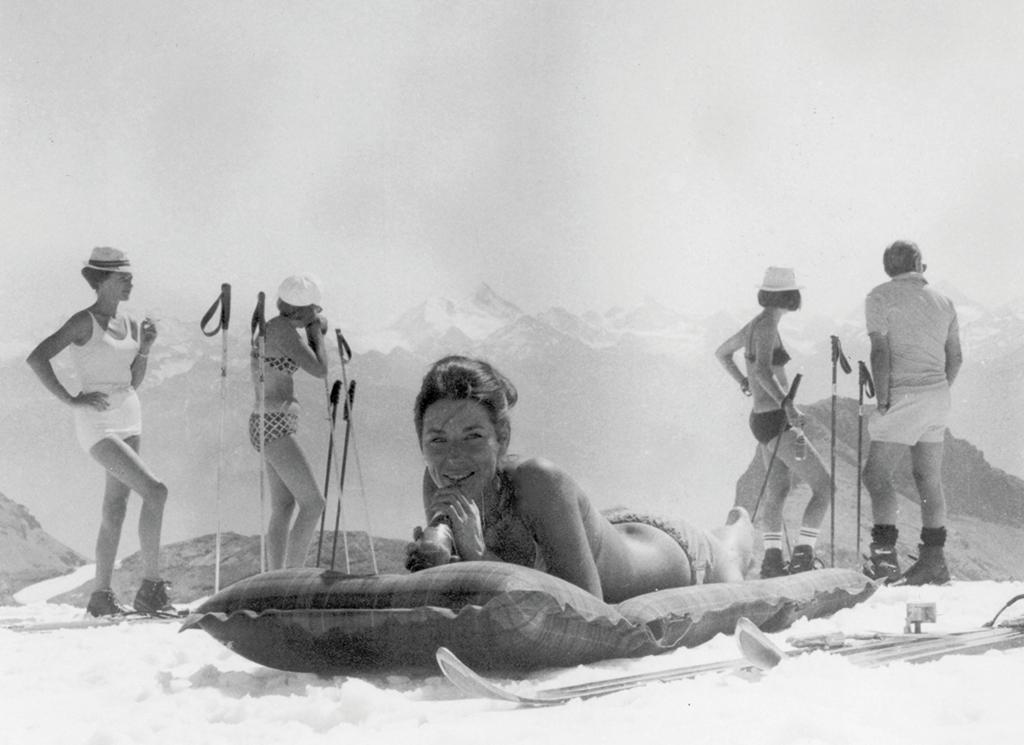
x=258 y=328
x=867 y=385
x=838 y=356
x=344 y=350
x=791 y=395
x=223 y=303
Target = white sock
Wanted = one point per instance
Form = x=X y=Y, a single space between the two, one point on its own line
x=808 y=537
x=772 y=540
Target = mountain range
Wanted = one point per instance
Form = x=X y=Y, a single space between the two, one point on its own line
x=631 y=402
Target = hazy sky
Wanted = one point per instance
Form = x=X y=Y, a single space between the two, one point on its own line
x=584 y=154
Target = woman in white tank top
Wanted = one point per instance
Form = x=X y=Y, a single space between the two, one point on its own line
x=110 y=352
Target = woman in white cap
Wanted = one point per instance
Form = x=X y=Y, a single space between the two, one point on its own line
x=295 y=498
x=777 y=424
x=110 y=352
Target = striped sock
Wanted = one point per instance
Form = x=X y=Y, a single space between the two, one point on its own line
x=808 y=536
x=773 y=540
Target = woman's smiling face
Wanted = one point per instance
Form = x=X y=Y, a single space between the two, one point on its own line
x=461 y=446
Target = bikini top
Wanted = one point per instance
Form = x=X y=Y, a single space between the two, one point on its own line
x=284 y=365
x=779 y=354
x=508 y=535
x=281 y=364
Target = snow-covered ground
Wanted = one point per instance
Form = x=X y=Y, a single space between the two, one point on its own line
x=146 y=683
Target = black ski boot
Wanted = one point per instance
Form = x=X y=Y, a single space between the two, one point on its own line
x=772 y=565
x=929 y=569
x=802 y=559
x=104 y=603
x=152 y=597
x=883 y=563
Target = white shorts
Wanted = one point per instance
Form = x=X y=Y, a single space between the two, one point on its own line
x=913 y=416
x=122 y=419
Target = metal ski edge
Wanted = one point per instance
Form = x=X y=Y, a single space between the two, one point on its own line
x=95 y=623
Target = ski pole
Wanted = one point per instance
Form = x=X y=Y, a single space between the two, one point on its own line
x=258 y=335
x=223 y=304
x=840 y=358
x=332 y=402
x=344 y=355
x=866 y=387
x=350 y=396
x=778 y=441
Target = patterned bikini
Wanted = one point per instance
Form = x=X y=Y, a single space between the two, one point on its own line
x=276 y=424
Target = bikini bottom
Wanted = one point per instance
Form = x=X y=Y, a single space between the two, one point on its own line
x=276 y=424
x=693 y=540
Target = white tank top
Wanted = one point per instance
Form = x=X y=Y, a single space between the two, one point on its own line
x=105 y=361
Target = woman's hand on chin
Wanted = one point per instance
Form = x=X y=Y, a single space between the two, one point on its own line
x=463 y=516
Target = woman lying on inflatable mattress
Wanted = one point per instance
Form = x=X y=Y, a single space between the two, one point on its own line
x=483 y=504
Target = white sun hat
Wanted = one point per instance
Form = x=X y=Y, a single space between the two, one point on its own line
x=300 y=290
x=779 y=279
x=107 y=259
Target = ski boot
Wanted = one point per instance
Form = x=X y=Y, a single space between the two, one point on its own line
x=929 y=569
x=104 y=603
x=802 y=559
x=883 y=563
x=772 y=565
x=152 y=597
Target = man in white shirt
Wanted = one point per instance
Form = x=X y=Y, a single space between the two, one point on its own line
x=915 y=357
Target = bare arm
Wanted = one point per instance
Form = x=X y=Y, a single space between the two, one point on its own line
x=725 y=353
x=881 y=366
x=76 y=330
x=283 y=337
x=954 y=355
x=549 y=501
x=146 y=333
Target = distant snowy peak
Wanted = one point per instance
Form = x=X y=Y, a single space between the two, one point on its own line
x=649 y=317
x=479 y=316
x=488 y=301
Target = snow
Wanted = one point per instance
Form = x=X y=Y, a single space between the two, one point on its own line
x=145 y=683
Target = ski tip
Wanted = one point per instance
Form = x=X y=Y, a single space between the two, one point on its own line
x=755 y=646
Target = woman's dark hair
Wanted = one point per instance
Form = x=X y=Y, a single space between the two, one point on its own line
x=94 y=276
x=787 y=299
x=288 y=310
x=459 y=378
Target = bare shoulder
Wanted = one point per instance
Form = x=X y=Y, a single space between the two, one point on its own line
x=77 y=329
x=281 y=335
x=530 y=470
x=540 y=484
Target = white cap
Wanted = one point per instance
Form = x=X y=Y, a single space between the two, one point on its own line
x=300 y=290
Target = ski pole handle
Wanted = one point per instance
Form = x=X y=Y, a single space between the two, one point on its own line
x=333 y=398
x=867 y=385
x=258 y=327
x=791 y=395
x=350 y=399
x=838 y=356
x=223 y=303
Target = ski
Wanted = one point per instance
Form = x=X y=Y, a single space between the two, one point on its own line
x=96 y=622
x=472 y=683
x=759 y=654
x=762 y=653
